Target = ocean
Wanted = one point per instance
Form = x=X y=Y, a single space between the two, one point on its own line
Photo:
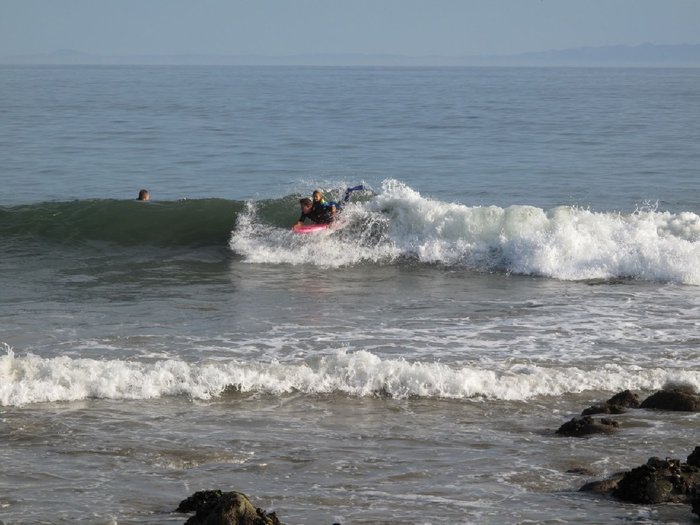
x=527 y=244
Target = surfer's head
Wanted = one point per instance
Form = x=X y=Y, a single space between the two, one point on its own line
x=144 y=195
x=317 y=196
x=305 y=203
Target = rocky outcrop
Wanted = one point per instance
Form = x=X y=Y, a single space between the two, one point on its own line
x=695 y=501
x=673 y=397
x=605 y=486
x=617 y=404
x=586 y=425
x=657 y=481
x=198 y=500
x=694 y=461
x=694 y=458
x=676 y=398
x=214 y=507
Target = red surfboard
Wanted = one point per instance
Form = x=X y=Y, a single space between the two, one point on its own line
x=309 y=228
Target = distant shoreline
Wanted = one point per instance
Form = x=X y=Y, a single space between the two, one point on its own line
x=645 y=55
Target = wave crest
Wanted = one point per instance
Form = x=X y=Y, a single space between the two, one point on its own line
x=564 y=242
x=32 y=379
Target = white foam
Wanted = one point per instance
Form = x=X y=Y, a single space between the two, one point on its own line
x=260 y=243
x=564 y=243
x=32 y=379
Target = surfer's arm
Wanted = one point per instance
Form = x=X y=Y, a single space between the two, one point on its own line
x=301 y=220
x=333 y=212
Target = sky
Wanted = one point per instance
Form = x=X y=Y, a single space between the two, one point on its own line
x=421 y=28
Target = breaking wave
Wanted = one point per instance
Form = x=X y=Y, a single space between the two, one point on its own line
x=393 y=226
x=32 y=379
x=570 y=243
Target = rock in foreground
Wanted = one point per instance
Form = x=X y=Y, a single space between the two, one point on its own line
x=657 y=481
x=695 y=502
x=213 y=507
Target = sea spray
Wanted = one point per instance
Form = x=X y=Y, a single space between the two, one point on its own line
x=565 y=242
x=354 y=242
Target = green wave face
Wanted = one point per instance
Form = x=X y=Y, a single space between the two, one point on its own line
x=186 y=222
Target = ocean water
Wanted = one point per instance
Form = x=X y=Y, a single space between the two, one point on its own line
x=527 y=244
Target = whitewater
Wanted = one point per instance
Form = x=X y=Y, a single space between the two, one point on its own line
x=563 y=243
x=32 y=379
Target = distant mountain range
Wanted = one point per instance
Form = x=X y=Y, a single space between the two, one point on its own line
x=644 y=55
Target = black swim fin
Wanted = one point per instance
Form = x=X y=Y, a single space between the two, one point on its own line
x=359 y=187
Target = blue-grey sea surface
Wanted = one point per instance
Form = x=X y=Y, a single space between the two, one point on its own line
x=527 y=244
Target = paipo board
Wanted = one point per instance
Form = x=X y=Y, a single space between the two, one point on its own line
x=313 y=228
x=309 y=228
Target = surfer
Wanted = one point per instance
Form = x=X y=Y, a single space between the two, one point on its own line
x=317 y=214
x=320 y=211
x=144 y=195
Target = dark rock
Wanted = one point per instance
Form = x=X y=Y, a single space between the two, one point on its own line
x=203 y=498
x=617 y=404
x=694 y=458
x=214 y=507
x=625 y=399
x=659 y=481
x=676 y=399
x=695 y=500
x=583 y=426
x=606 y=486
x=580 y=471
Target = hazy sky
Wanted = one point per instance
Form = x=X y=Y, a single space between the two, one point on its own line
x=289 y=27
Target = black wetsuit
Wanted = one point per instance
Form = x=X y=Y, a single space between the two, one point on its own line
x=321 y=213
